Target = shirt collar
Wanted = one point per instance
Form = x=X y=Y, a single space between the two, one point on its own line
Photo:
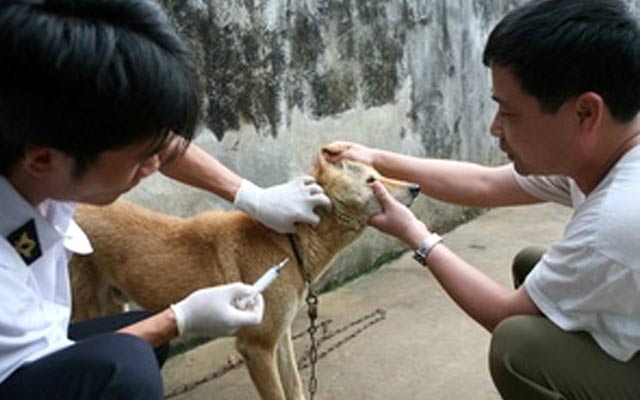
x=52 y=219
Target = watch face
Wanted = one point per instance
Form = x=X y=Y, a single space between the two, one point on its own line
x=419 y=256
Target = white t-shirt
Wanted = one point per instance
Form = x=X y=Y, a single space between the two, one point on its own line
x=590 y=279
x=35 y=298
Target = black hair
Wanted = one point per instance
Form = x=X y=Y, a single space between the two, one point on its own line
x=87 y=76
x=559 y=49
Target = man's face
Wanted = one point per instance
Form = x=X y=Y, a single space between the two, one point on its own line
x=536 y=142
x=111 y=175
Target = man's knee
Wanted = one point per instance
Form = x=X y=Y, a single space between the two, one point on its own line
x=516 y=358
x=505 y=344
x=130 y=368
x=86 y=329
x=524 y=262
x=107 y=366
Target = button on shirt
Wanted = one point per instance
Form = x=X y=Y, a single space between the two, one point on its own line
x=35 y=294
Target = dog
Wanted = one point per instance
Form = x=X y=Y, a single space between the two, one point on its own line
x=155 y=260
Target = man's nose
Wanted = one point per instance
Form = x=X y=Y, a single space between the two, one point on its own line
x=496 y=126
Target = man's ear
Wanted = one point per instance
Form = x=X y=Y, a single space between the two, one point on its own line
x=39 y=161
x=589 y=110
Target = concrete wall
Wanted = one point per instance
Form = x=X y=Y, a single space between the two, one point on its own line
x=285 y=77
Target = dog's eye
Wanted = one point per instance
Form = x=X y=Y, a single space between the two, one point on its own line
x=371 y=179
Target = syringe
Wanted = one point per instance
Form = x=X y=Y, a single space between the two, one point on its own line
x=261 y=284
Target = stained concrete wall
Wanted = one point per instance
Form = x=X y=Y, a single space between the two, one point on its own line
x=284 y=77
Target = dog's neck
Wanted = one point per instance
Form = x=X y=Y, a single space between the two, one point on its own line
x=318 y=246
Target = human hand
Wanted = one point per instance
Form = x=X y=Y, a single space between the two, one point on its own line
x=280 y=207
x=211 y=311
x=396 y=219
x=339 y=150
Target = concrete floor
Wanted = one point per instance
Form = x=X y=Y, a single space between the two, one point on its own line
x=424 y=348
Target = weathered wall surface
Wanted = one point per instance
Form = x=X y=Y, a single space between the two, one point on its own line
x=285 y=77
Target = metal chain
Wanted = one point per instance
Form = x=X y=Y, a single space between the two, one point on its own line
x=207 y=378
x=376 y=316
x=312 y=312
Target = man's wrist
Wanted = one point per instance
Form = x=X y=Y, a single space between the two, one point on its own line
x=157 y=329
x=175 y=319
x=246 y=197
x=416 y=234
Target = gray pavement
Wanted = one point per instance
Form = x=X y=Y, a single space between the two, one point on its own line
x=424 y=348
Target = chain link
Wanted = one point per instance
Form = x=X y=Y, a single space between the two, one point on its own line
x=377 y=316
x=312 y=312
x=365 y=321
x=207 y=378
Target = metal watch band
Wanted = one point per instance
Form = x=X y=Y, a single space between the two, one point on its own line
x=420 y=255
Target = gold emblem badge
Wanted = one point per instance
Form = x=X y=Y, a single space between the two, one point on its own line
x=25 y=245
x=25 y=241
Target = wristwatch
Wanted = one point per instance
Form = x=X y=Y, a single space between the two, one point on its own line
x=420 y=255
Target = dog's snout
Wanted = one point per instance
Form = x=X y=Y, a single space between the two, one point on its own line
x=414 y=190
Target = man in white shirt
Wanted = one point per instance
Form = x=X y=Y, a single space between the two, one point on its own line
x=94 y=96
x=566 y=77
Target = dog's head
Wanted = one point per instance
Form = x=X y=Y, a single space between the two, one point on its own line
x=348 y=185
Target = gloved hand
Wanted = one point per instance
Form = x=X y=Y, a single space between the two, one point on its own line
x=280 y=207
x=212 y=311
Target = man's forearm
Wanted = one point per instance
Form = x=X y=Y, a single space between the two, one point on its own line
x=477 y=294
x=455 y=182
x=196 y=167
x=157 y=329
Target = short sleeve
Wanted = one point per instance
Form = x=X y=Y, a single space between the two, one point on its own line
x=552 y=188
x=590 y=296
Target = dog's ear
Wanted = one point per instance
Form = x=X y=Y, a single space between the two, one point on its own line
x=322 y=164
x=323 y=158
x=330 y=153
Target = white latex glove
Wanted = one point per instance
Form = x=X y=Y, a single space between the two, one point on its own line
x=280 y=207
x=211 y=311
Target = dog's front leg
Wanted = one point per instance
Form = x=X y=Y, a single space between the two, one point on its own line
x=288 y=369
x=261 y=363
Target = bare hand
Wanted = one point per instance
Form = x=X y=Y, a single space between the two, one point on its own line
x=339 y=150
x=396 y=219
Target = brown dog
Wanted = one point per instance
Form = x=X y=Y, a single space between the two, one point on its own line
x=156 y=260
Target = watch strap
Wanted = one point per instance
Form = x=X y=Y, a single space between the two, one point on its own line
x=420 y=255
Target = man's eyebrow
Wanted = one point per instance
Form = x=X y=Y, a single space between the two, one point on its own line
x=497 y=99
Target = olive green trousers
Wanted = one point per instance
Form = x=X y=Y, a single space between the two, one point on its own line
x=531 y=358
